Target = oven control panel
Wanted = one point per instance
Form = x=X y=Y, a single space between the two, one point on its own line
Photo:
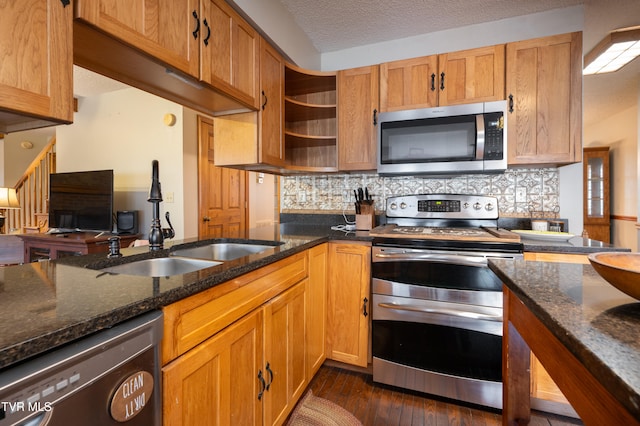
x=443 y=206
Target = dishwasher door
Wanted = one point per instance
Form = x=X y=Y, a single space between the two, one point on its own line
x=109 y=378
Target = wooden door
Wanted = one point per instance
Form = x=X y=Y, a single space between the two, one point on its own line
x=544 y=88
x=349 y=302
x=468 y=76
x=271 y=149
x=357 y=118
x=36 y=51
x=285 y=353
x=409 y=84
x=162 y=28
x=222 y=192
x=316 y=314
x=216 y=383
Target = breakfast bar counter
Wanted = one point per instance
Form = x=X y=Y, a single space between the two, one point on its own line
x=585 y=332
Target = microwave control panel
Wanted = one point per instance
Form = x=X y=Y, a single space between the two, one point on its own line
x=493 y=136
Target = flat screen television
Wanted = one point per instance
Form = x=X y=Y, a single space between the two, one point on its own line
x=81 y=201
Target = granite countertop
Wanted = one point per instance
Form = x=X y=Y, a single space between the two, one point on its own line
x=597 y=323
x=47 y=304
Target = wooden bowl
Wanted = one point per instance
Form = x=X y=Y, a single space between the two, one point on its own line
x=621 y=270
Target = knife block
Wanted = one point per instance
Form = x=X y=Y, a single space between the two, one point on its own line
x=366 y=220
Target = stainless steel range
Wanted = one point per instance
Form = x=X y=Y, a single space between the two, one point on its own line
x=437 y=308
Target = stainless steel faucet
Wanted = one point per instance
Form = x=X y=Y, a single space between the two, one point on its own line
x=157 y=234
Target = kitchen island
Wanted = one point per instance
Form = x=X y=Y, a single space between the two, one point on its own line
x=585 y=332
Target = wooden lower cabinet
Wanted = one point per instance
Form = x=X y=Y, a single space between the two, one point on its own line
x=349 y=302
x=216 y=383
x=253 y=368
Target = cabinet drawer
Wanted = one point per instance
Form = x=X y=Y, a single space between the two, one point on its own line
x=196 y=318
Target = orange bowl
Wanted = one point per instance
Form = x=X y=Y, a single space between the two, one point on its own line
x=621 y=270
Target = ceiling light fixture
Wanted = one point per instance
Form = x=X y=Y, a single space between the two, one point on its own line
x=617 y=49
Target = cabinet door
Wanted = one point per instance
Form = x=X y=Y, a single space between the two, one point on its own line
x=36 y=75
x=217 y=383
x=316 y=314
x=468 y=76
x=357 y=118
x=348 y=303
x=163 y=29
x=409 y=84
x=271 y=149
x=596 y=193
x=229 y=52
x=544 y=88
x=285 y=354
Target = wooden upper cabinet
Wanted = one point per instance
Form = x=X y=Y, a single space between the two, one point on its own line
x=36 y=77
x=544 y=90
x=468 y=76
x=409 y=84
x=229 y=51
x=205 y=39
x=271 y=145
x=161 y=28
x=357 y=118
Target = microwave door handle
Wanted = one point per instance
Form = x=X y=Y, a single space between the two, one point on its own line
x=480 y=137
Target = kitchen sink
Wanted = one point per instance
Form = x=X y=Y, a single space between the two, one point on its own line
x=161 y=266
x=223 y=251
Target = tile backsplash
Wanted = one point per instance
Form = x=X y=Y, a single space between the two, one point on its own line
x=520 y=192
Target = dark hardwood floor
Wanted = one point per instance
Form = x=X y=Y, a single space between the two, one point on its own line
x=375 y=404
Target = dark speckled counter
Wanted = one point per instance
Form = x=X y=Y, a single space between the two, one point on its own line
x=47 y=304
x=596 y=322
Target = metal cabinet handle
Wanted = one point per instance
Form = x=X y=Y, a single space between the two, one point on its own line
x=197 y=30
x=442 y=81
x=206 y=39
x=268 y=368
x=375 y=117
x=65 y=3
x=364 y=307
x=264 y=95
x=510 y=103
x=264 y=385
x=450 y=312
x=433 y=82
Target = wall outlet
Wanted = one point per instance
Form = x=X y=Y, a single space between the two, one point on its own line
x=302 y=197
x=168 y=197
x=521 y=195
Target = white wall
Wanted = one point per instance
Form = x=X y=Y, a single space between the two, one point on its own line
x=15 y=158
x=620 y=134
x=124 y=131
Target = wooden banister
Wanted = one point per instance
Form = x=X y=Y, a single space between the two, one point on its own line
x=32 y=190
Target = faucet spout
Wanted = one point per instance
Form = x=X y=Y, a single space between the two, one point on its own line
x=156 y=237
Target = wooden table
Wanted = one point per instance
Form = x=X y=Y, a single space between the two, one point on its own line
x=55 y=246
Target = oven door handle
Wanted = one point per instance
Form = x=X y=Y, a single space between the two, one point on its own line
x=450 y=312
x=455 y=259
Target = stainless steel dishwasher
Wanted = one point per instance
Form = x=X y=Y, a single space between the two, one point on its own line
x=111 y=377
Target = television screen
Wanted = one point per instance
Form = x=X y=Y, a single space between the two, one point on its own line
x=81 y=201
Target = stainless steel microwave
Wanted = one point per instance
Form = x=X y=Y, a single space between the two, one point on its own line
x=446 y=140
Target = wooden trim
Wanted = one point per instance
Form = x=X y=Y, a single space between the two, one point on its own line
x=625 y=218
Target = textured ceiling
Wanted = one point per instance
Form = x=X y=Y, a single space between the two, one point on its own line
x=340 y=24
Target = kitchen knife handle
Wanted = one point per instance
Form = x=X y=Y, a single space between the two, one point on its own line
x=197 y=30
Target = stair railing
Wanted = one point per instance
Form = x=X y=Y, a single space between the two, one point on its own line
x=32 y=190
